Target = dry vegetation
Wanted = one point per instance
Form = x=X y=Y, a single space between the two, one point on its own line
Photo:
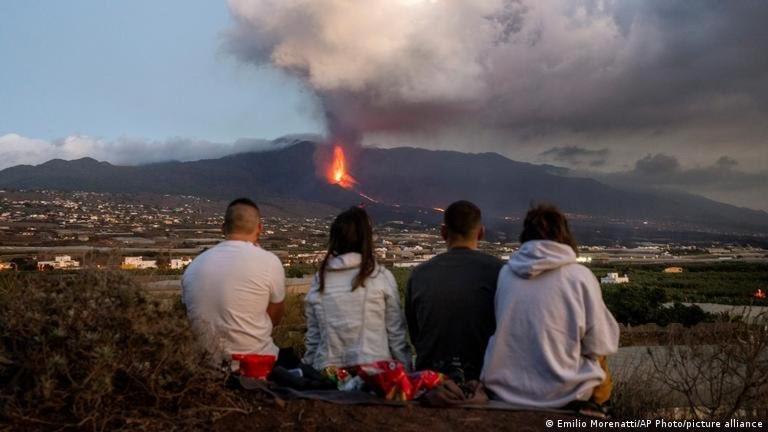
x=720 y=371
x=93 y=352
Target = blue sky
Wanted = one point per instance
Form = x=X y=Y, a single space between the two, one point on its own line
x=140 y=68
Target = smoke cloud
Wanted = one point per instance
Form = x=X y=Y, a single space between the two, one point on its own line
x=405 y=65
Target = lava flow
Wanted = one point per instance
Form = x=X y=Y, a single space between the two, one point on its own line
x=337 y=174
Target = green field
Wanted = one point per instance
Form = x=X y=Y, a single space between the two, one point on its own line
x=732 y=283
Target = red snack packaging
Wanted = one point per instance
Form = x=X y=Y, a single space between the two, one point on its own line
x=387 y=378
x=424 y=381
x=255 y=365
x=390 y=379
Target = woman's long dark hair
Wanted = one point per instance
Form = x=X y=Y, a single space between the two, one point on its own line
x=351 y=231
x=547 y=222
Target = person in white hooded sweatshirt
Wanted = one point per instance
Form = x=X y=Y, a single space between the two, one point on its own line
x=353 y=306
x=553 y=329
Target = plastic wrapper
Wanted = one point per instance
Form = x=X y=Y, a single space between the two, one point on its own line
x=340 y=376
x=389 y=379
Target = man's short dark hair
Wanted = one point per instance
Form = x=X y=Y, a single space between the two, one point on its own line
x=236 y=220
x=462 y=218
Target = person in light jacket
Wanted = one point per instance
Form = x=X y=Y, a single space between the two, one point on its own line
x=553 y=329
x=353 y=306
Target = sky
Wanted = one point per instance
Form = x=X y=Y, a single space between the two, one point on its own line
x=653 y=93
x=141 y=69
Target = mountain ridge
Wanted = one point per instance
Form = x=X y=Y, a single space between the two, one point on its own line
x=405 y=180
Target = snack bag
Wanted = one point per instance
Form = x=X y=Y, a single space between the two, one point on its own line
x=388 y=378
x=423 y=381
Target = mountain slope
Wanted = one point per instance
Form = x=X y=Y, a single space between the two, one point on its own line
x=415 y=179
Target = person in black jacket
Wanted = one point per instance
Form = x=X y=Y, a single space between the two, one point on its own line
x=449 y=299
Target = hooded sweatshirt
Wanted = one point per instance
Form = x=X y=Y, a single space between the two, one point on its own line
x=349 y=328
x=551 y=327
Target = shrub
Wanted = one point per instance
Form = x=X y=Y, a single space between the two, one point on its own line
x=92 y=351
x=636 y=305
x=294 y=272
x=718 y=369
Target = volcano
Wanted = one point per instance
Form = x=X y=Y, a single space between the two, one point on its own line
x=399 y=183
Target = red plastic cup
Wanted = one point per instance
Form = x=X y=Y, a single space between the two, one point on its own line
x=255 y=365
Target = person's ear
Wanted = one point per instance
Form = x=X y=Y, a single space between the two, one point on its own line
x=444 y=232
x=481 y=233
x=257 y=232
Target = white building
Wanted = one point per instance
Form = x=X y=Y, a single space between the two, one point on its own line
x=180 y=263
x=138 y=263
x=614 y=278
x=381 y=252
x=59 y=262
x=584 y=259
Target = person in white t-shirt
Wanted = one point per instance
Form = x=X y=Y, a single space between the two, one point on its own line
x=234 y=291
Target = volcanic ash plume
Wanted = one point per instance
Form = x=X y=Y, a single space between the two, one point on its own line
x=405 y=65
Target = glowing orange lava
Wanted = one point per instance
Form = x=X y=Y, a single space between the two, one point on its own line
x=337 y=173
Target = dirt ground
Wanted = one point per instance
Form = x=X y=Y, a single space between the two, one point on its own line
x=302 y=415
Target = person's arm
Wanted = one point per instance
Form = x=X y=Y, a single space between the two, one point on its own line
x=276 y=308
x=183 y=291
x=601 y=332
x=410 y=312
x=276 y=312
x=396 y=331
x=312 y=337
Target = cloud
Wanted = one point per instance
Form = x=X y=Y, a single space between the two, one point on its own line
x=721 y=180
x=656 y=165
x=534 y=65
x=576 y=156
x=18 y=150
x=665 y=170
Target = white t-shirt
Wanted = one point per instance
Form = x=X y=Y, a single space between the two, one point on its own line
x=227 y=290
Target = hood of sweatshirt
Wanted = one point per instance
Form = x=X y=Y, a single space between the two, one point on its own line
x=344 y=261
x=538 y=256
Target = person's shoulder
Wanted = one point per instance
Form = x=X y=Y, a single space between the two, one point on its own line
x=265 y=255
x=580 y=273
x=201 y=260
x=381 y=272
x=385 y=279
x=426 y=266
x=489 y=259
x=206 y=253
x=485 y=261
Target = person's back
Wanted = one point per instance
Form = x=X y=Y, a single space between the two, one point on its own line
x=552 y=330
x=450 y=310
x=353 y=307
x=230 y=292
x=357 y=326
x=449 y=299
x=227 y=290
